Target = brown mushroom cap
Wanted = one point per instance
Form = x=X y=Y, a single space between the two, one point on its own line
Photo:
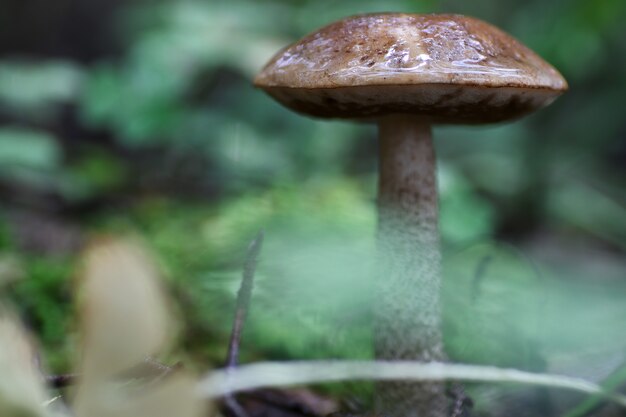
x=448 y=68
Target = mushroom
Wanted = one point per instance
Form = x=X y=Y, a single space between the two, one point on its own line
x=407 y=72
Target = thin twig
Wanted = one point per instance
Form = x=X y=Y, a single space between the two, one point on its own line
x=242 y=306
x=243 y=300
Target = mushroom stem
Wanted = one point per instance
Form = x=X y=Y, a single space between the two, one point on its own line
x=408 y=313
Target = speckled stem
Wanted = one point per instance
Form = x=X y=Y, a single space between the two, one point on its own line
x=408 y=317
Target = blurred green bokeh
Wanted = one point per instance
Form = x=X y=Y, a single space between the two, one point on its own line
x=140 y=117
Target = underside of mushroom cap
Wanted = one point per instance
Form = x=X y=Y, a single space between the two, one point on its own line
x=450 y=68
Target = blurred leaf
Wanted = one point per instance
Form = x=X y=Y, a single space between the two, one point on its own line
x=143 y=100
x=29 y=157
x=102 y=95
x=33 y=86
x=28 y=149
x=136 y=104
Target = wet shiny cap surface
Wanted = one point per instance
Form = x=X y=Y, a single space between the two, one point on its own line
x=449 y=68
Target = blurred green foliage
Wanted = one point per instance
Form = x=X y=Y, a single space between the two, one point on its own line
x=164 y=136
